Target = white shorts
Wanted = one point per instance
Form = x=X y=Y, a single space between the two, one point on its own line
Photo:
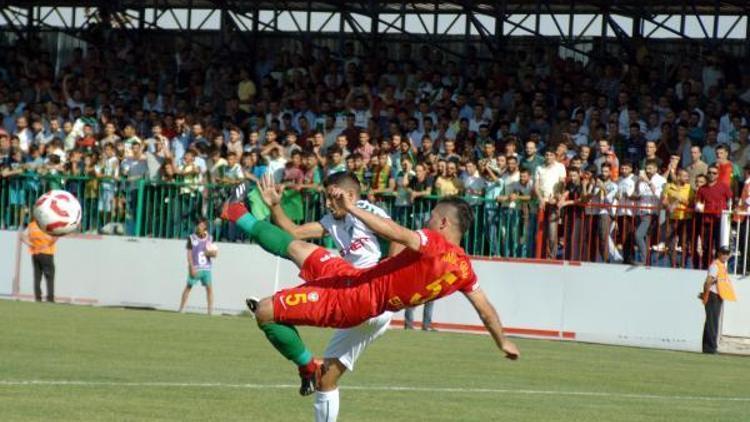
x=347 y=345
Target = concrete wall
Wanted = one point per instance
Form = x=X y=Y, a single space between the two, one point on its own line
x=612 y=304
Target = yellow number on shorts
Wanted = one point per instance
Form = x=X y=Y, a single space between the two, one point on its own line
x=296 y=299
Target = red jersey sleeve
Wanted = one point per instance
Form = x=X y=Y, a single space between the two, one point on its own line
x=430 y=242
x=470 y=282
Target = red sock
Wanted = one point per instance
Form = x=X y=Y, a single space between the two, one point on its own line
x=234 y=211
x=308 y=369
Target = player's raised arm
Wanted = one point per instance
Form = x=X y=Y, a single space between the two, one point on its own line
x=491 y=321
x=383 y=227
x=271 y=194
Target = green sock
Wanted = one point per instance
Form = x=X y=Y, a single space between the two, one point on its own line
x=287 y=341
x=269 y=237
x=247 y=222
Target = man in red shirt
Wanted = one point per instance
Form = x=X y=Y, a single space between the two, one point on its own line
x=430 y=266
x=710 y=201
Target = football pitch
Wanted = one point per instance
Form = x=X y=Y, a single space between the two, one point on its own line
x=60 y=362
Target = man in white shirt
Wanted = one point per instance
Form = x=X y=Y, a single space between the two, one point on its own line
x=511 y=175
x=648 y=191
x=361 y=247
x=606 y=194
x=549 y=182
x=276 y=164
x=24 y=134
x=624 y=211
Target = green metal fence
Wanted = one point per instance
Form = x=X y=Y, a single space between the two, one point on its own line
x=171 y=209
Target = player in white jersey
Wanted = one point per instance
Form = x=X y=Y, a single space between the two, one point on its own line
x=360 y=246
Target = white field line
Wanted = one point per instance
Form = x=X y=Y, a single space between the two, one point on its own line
x=509 y=391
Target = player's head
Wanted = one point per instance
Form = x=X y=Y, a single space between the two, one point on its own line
x=201 y=227
x=344 y=181
x=451 y=215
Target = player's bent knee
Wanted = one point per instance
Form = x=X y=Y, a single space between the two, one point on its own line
x=264 y=313
x=333 y=369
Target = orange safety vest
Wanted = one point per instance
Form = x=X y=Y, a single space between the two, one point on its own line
x=41 y=242
x=723 y=283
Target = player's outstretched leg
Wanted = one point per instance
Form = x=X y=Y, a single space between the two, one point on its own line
x=269 y=236
x=286 y=339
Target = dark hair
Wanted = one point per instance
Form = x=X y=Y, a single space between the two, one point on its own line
x=464 y=214
x=342 y=180
x=334 y=149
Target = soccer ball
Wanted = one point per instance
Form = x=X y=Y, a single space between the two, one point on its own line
x=212 y=250
x=57 y=213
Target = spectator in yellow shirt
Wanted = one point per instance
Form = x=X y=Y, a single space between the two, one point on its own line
x=245 y=90
x=677 y=197
x=447 y=183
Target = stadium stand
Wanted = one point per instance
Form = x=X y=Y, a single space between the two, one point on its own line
x=150 y=136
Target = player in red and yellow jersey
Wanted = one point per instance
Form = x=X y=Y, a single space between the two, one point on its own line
x=338 y=295
x=432 y=265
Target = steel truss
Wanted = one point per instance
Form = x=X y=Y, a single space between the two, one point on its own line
x=486 y=24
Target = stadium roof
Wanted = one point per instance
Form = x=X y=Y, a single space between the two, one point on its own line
x=564 y=23
x=516 y=6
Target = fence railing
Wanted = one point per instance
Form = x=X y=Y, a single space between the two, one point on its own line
x=645 y=235
x=578 y=232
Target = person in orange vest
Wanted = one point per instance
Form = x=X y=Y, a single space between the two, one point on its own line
x=716 y=289
x=42 y=249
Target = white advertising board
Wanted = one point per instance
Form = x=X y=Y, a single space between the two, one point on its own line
x=612 y=304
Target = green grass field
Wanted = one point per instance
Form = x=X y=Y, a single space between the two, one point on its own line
x=115 y=364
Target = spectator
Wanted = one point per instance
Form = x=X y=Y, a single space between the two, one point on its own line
x=650 y=155
x=549 y=182
x=727 y=171
x=364 y=148
x=447 y=183
x=678 y=198
x=648 y=191
x=696 y=167
x=710 y=201
x=403 y=202
x=531 y=160
x=382 y=182
x=606 y=155
x=627 y=201
x=474 y=183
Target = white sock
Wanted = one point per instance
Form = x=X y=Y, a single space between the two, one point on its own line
x=326 y=406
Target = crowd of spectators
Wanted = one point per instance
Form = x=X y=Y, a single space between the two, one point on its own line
x=641 y=144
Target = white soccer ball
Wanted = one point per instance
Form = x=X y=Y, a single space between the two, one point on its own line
x=57 y=213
